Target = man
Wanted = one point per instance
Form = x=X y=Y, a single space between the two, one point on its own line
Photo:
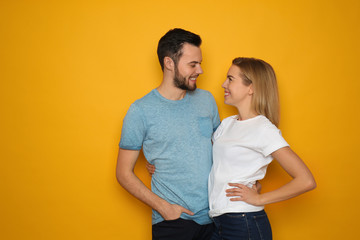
x=173 y=124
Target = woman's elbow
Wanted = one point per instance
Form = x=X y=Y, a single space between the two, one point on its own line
x=310 y=184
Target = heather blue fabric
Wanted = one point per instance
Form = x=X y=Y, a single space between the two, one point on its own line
x=176 y=137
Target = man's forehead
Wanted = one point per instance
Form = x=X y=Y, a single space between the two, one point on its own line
x=187 y=47
x=191 y=53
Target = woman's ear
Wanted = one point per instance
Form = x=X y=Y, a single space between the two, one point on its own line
x=169 y=63
x=251 y=90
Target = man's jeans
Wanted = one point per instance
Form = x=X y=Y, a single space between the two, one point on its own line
x=181 y=229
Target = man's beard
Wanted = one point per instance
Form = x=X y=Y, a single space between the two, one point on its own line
x=180 y=81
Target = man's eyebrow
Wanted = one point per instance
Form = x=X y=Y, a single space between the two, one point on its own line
x=194 y=62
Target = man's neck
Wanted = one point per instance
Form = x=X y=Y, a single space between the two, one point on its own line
x=169 y=91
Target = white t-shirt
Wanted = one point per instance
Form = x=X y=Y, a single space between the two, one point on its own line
x=241 y=154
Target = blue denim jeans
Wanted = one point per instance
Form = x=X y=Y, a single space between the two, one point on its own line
x=241 y=226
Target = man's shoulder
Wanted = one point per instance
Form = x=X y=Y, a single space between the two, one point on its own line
x=142 y=104
x=146 y=99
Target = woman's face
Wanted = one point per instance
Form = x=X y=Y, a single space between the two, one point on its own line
x=236 y=92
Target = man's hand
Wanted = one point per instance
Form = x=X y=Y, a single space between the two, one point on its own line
x=173 y=211
x=129 y=181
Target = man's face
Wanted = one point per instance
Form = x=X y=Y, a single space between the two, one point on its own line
x=188 y=68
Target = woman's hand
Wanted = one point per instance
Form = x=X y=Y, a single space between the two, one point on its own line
x=150 y=168
x=302 y=181
x=240 y=192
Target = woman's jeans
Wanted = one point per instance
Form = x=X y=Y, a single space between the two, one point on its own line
x=251 y=225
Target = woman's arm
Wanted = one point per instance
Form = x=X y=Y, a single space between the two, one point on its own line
x=302 y=182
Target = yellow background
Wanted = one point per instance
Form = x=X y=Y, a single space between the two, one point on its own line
x=69 y=70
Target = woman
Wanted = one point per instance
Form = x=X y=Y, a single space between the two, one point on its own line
x=244 y=145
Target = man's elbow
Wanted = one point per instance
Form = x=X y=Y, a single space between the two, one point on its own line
x=118 y=177
x=122 y=177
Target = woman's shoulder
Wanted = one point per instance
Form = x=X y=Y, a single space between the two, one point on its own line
x=265 y=122
x=223 y=125
x=229 y=119
x=266 y=127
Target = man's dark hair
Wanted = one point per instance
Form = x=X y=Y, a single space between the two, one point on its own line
x=170 y=45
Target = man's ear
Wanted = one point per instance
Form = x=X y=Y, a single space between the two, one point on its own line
x=169 y=63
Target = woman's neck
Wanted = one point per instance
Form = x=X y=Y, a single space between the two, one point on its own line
x=246 y=114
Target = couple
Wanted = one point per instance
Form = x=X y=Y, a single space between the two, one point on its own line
x=179 y=130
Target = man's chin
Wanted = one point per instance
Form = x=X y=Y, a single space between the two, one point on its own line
x=193 y=88
x=187 y=87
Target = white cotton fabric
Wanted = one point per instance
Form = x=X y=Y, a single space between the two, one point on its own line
x=241 y=154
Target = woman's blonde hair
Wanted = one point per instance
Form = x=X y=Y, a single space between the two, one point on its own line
x=261 y=75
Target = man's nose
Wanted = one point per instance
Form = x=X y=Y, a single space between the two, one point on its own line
x=199 y=70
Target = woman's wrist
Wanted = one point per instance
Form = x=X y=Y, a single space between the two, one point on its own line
x=260 y=200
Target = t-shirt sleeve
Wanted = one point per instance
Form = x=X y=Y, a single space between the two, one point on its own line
x=271 y=140
x=215 y=113
x=217 y=133
x=133 y=129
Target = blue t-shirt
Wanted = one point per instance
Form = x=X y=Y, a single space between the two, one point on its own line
x=176 y=137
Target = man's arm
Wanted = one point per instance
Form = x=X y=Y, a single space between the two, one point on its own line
x=128 y=180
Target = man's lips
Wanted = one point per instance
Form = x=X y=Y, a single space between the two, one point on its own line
x=193 y=78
